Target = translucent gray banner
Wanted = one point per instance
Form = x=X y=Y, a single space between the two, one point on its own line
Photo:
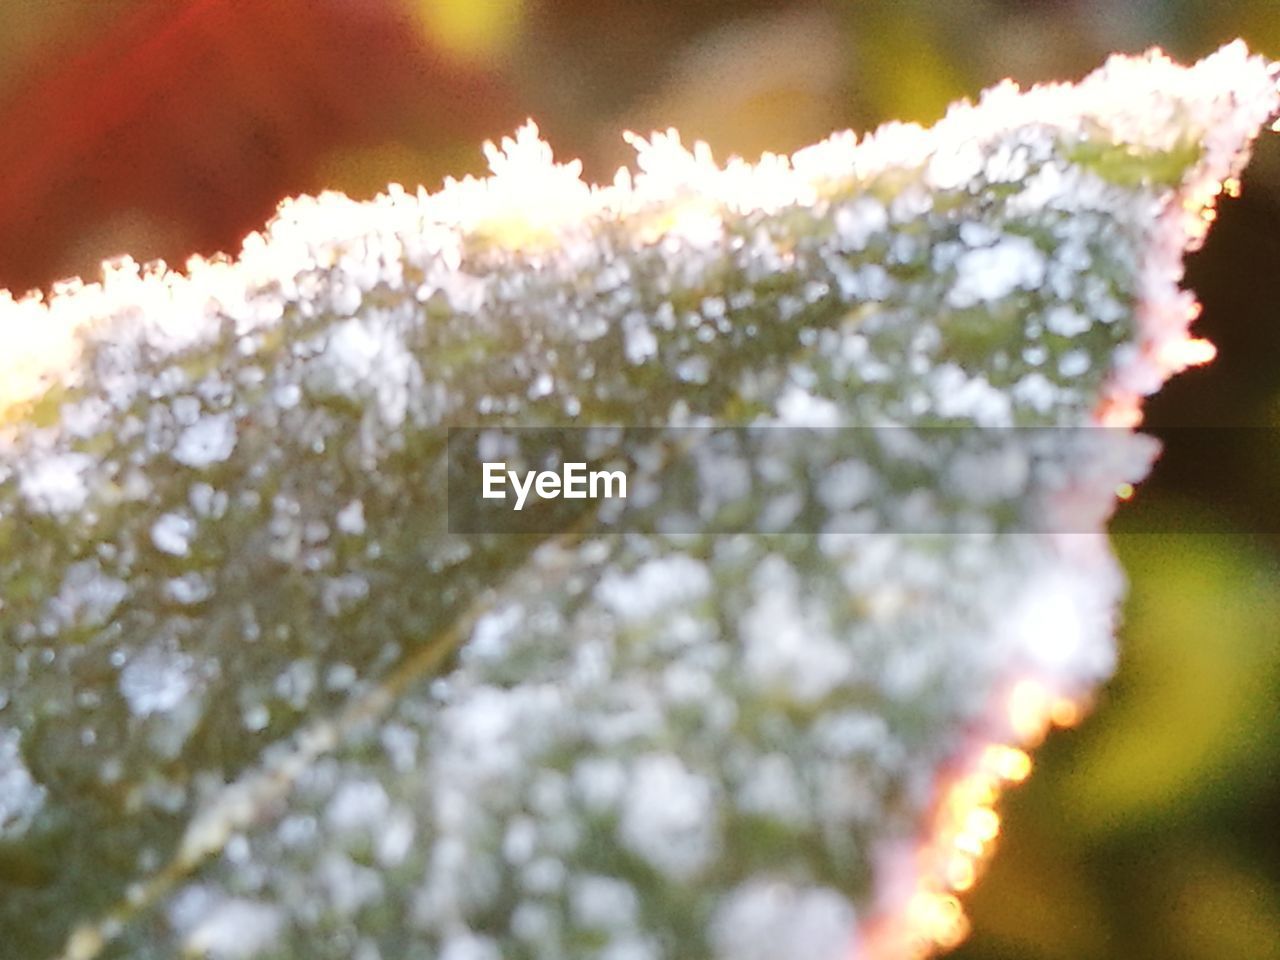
x=773 y=479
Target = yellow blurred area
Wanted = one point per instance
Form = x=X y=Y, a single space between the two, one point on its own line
x=476 y=30
x=1258 y=21
x=1045 y=904
x=31 y=30
x=906 y=71
x=1195 y=696
x=1226 y=910
x=742 y=90
x=365 y=171
x=1127 y=844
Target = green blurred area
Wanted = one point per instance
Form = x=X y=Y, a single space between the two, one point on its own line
x=1152 y=830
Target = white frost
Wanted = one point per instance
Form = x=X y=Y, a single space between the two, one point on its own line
x=235 y=929
x=56 y=484
x=470 y=946
x=366 y=359
x=654 y=587
x=156 y=682
x=788 y=648
x=766 y=920
x=669 y=816
x=209 y=440
x=350 y=519
x=20 y=796
x=172 y=534
x=991 y=273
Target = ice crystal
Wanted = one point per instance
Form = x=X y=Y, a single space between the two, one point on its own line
x=257 y=699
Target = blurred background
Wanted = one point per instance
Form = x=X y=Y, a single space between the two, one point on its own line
x=170 y=127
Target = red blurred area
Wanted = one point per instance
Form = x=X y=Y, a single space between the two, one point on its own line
x=179 y=128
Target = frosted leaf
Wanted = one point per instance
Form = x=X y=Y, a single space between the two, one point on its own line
x=264 y=700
